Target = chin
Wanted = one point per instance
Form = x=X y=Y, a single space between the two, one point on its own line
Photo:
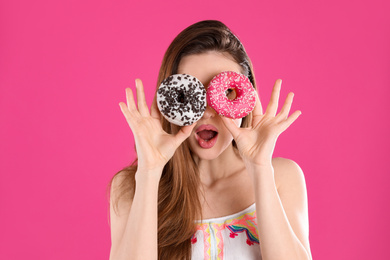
x=211 y=153
x=206 y=155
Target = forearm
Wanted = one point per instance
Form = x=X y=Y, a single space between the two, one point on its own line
x=139 y=239
x=277 y=238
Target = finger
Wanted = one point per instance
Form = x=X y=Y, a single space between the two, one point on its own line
x=127 y=114
x=154 y=111
x=124 y=109
x=142 y=106
x=287 y=106
x=184 y=133
x=130 y=111
x=258 y=110
x=130 y=100
x=273 y=103
x=291 y=119
x=231 y=126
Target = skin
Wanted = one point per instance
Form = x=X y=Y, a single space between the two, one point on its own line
x=276 y=185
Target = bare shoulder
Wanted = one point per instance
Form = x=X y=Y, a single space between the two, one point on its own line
x=118 y=179
x=119 y=210
x=120 y=202
x=291 y=187
x=287 y=172
x=117 y=196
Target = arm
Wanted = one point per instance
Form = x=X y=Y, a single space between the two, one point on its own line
x=134 y=229
x=282 y=214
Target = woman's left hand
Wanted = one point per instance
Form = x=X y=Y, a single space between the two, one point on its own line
x=257 y=142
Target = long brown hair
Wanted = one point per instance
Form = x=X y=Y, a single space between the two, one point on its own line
x=179 y=189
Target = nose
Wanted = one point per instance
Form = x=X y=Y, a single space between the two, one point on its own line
x=209 y=112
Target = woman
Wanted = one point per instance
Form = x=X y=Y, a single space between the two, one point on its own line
x=183 y=200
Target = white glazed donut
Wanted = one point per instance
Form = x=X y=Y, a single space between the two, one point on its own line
x=241 y=105
x=181 y=98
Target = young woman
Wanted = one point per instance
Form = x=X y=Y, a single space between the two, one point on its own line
x=181 y=199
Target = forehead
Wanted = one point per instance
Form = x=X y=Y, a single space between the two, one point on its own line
x=205 y=66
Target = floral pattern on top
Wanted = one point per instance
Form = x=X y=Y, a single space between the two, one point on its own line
x=244 y=223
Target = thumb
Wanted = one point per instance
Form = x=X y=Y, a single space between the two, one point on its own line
x=184 y=133
x=231 y=126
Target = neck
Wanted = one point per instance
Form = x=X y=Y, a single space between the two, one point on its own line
x=225 y=165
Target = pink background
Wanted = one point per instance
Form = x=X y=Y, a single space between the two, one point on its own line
x=64 y=67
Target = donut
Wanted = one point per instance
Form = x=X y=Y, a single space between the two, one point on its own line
x=181 y=99
x=238 y=107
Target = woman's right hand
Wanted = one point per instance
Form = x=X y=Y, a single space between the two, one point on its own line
x=154 y=146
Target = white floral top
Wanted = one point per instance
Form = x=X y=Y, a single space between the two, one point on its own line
x=230 y=237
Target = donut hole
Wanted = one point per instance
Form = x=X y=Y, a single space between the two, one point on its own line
x=181 y=96
x=231 y=93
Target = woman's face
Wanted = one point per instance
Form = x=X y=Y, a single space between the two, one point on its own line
x=210 y=137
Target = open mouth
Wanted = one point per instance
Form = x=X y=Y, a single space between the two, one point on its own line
x=206 y=135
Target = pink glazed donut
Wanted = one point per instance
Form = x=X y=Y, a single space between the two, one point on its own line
x=241 y=105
